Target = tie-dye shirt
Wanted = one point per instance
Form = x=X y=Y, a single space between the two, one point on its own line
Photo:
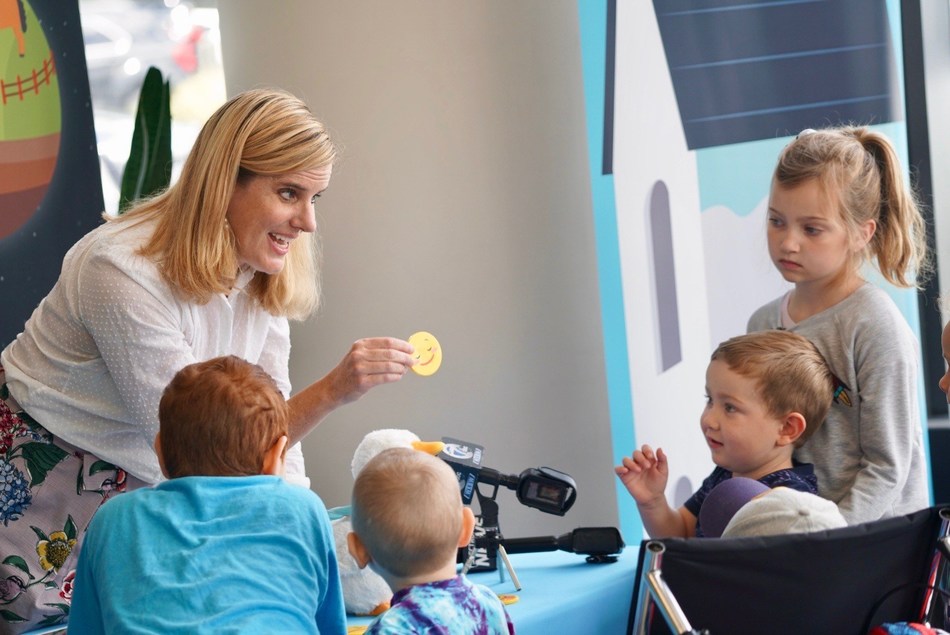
x=447 y=607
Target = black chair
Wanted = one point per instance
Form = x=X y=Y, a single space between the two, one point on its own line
x=839 y=581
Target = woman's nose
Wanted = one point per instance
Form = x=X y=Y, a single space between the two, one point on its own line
x=306 y=220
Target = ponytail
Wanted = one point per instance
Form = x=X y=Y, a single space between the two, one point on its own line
x=900 y=241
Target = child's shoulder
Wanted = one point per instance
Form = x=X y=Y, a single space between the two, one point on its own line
x=868 y=294
x=870 y=309
x=767 y=316
x=801 y=476
x=119 y=508
x=460 y=588
x=279 y=490
x=867 y=310
x=260 y=491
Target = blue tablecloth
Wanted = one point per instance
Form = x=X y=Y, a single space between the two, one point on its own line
x=562 y=594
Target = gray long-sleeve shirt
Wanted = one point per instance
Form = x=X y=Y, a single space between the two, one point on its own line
x=868 y=454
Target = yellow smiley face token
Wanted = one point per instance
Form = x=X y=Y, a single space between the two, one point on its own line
x=507 y=598
x=428 y=353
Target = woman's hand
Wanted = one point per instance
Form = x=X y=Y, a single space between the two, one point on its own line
x=370 y=362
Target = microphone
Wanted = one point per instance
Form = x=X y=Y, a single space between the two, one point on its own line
x=599 y=544
x=466 y=460
x=543 y=488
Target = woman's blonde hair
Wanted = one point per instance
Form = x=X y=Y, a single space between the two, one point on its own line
x=263 y=132
x=860 y=173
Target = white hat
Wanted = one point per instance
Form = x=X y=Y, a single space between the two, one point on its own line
x=783 y=510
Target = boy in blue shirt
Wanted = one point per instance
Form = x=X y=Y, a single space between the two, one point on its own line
x=225 y=545
x=408 y=523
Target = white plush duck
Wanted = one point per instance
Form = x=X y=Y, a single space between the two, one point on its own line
x=365 y=592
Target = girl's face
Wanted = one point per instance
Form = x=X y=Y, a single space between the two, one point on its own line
x=808 y=241
x=945 y=380
x=267 y=213
x=742 y=435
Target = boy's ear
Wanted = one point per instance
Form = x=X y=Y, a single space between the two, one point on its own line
x=793 y=426
x=468 y=526
x=358 y=550
x=158 y=453
x=274 y=457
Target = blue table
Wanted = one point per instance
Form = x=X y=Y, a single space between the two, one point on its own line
x=562 y=594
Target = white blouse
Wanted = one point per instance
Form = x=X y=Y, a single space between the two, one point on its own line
x=94 y=358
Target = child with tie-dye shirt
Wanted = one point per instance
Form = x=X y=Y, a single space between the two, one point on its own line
x=408 y=523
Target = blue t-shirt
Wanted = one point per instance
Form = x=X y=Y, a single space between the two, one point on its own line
x=800 y=476
x=209 y=554
x=447 y=607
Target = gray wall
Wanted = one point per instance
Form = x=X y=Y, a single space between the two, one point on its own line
x=461 y=207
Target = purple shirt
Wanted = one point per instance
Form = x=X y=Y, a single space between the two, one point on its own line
x=446 y=607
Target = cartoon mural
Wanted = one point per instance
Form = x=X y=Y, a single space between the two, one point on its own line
x=13 y=17
x=30 y=118
x=50 y=186
x=691 y=108
x=50 y=195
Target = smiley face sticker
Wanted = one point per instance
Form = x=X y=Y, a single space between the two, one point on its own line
x=428 y=353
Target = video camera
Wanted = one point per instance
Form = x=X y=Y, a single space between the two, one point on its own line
x=543 y=488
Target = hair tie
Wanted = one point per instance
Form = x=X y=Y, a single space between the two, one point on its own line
x=805 y=132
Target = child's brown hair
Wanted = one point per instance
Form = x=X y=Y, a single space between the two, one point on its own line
x=219 y=417
x=789 y=372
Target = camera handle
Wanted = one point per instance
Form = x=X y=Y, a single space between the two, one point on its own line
x=488 y=509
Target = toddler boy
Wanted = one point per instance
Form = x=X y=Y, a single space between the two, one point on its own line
x=408 y=523
x=766 y=393
x=224 y=545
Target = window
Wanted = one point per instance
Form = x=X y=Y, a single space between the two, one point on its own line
x=123 y=38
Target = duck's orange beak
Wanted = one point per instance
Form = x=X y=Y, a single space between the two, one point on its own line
x=429 y=447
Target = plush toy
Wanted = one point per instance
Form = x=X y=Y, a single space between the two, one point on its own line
x=364 y=591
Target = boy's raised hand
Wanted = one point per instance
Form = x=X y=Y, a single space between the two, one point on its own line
x=645 y=474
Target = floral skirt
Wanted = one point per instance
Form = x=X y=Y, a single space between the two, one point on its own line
x=49 y=491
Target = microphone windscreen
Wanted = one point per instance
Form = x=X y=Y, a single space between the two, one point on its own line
x=465 y=459
x=724 y=500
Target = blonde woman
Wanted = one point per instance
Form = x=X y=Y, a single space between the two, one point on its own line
x=216 y=265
